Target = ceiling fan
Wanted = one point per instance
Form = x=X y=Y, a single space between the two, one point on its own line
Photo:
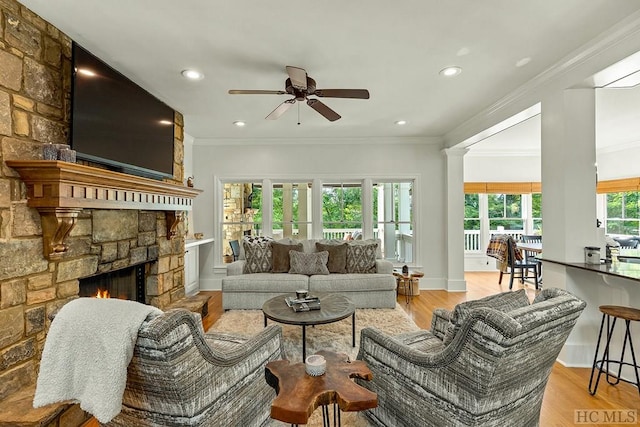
x=301 y=86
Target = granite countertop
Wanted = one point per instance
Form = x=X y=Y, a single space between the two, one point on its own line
x=627 y=270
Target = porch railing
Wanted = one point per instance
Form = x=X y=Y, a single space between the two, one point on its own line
x=473 y=243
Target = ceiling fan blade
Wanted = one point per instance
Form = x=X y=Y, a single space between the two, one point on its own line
x=321 y=108
x=281 y=109
x=298 y=77
x=256 y=92
x=342 y=93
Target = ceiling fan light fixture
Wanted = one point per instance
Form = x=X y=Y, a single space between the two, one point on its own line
x=192 y=74
x=450 y=71
x=239 y=123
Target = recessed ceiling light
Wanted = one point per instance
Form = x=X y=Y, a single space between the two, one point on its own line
x=450 y=71
x=192 y=74
x=523 y=62
x=401 y=122
x=165 y=122
x=239 y=123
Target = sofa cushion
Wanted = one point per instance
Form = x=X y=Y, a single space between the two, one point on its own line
x=265 y=282
x=504 y=302
x=280 y=256
x=257 y=251
x=345 y=283
x=313 y=263
x=337 y=256
x=361 y=257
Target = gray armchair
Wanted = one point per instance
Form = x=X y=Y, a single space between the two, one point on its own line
x=180 y=376
x=486 y=363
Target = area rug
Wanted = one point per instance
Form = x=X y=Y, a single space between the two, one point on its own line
x=333 y=336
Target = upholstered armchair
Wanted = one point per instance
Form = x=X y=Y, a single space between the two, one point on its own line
x=486 y=363
x=180 y=376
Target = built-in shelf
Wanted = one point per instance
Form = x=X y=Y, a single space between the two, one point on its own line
x=60 y=190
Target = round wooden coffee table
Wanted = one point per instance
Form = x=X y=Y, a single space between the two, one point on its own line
x=333 y=307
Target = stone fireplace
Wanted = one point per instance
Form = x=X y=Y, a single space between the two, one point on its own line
x=127 y=283
x=101 y=226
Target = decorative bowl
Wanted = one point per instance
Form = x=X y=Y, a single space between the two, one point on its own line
x=315 y=365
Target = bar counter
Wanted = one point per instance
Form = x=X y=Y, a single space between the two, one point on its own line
x=626 y=270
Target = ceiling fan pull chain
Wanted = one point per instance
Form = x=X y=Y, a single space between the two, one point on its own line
x=298 y=114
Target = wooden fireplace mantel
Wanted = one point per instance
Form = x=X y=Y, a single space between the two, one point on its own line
x=60 y=190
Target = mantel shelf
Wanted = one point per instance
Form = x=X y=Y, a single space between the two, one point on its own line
x=60 y=190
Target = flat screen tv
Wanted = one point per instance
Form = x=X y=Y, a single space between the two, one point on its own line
x=116 y=123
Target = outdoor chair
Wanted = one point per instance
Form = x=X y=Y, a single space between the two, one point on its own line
x=235 y=249
x=486 y=363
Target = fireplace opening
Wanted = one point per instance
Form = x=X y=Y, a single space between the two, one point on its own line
x=127 y=283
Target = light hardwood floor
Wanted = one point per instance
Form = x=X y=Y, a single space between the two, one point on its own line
x=566 y=391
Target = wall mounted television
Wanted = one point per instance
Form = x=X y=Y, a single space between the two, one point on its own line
x=116 y=123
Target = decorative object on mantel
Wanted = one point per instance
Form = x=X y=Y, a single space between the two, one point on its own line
x=190 y=182
x=60 y=190
x=50 y=151
x=66 y=154
x=198 y=236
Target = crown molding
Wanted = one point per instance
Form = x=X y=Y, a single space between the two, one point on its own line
x=318 y=141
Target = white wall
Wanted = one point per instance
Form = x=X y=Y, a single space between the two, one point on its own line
x=622 y=163
x=422 y=161
x=501 y=168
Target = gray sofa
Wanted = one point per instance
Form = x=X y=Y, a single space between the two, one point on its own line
x=367 y=290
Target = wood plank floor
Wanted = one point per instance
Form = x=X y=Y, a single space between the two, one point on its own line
x=567 y=387
x=566 y=391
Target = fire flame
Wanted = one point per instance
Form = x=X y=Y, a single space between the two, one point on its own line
x=103 y=294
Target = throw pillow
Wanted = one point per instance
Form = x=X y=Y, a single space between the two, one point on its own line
x=280 y=256
x=504 y=302
x=257 y=252
x=361 y=257
x=309 y=264
x=337 y=257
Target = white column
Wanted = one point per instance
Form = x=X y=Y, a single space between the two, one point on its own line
x=569 y=212
x=316 y=208
x=304 y=203
x=568 y=161
x=455 y=219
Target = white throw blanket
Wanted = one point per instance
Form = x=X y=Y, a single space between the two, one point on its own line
x=86 y=354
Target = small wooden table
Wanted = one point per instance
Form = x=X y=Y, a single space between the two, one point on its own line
x=299 y=394
x=407 y=281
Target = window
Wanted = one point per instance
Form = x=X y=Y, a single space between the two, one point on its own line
x=242 y=213
x=472 y=222
x=292 y=210
x=341 y=210
x=393 y=219
x=337 y=206
x=623 y=213
x=505 y=212
x=536 y=212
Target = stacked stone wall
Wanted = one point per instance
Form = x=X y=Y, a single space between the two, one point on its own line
x=35 y=82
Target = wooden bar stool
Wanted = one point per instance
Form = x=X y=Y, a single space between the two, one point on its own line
x=628 y=314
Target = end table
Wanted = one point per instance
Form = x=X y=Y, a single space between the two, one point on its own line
x=299 y=394
x=406 y=281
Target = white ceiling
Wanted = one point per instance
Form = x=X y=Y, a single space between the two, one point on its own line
x=393 y=49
